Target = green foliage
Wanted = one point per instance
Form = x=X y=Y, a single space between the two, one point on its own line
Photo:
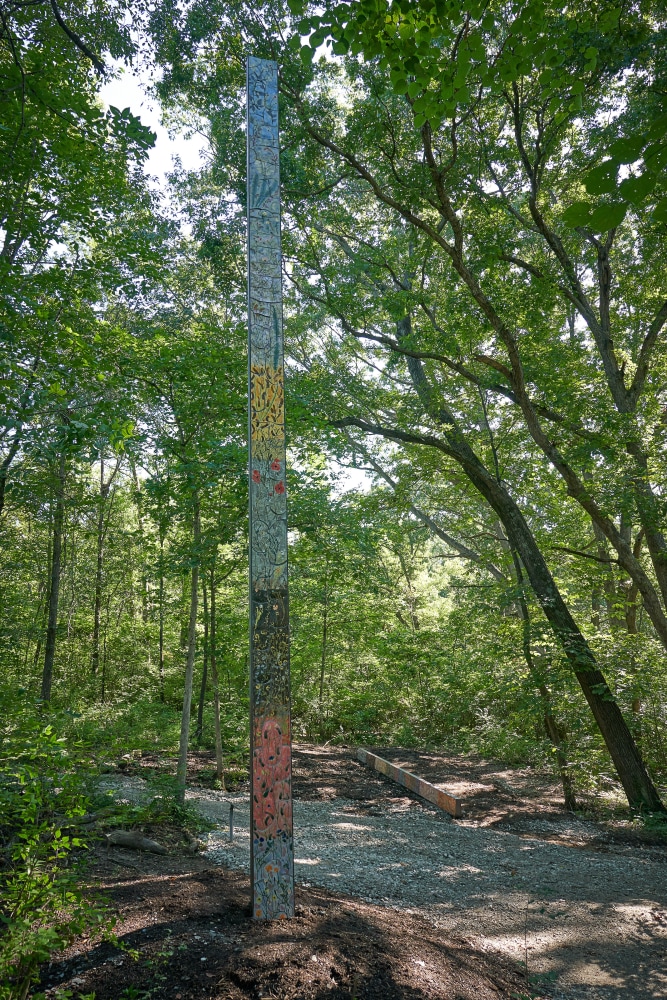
x=123 y=347
x=43 y=907
x=124 y=726
x=447 y=59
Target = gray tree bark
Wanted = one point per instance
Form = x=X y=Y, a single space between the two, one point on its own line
x=219 y=768
x=182 y=768
x=54 y=590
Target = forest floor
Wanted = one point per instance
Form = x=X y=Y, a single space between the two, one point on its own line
x=430 y=907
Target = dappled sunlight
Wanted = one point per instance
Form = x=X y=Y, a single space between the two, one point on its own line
x=351 y=826
x=561 y=939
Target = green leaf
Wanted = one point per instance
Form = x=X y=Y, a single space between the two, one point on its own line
x=636 y=189
x=609 y=20
x=655 y=155
x=602 y=179
x=628 y=149
x=577 y=214
x=607 y=217
x=660 y=211
x=658 y=127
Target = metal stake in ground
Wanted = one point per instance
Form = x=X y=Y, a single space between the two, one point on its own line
x=271 y=842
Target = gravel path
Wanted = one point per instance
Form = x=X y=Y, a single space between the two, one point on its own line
x=596 y=922
x=591 y=923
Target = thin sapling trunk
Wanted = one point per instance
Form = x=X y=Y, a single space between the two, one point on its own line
x=54 y=590
x=204 y=673
x=190 y=661
x=220 y=774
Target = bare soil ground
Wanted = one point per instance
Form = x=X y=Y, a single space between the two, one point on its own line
x=186 y=932
x=193 y=938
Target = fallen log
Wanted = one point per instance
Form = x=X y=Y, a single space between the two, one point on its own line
x=135 y=841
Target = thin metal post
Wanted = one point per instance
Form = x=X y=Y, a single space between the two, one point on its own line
x=271 y=841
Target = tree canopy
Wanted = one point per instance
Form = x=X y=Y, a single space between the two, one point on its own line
x=474 y=214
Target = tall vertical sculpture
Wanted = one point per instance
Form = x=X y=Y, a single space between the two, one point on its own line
x=272 y=848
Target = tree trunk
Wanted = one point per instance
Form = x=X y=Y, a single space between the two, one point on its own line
x=627 y=759
x=219 y=771
x=323 y=662
x=104 y=650
x=185 y=609
x=41 y=632
x=181 y=771
x=95 y=659
x=54 y=590
x=161 y=598
x=648 y=510
x=622 y=748
x=202 y=690
x=6 y=463
x=551 y=726
x=630 y=767
x=140 y=524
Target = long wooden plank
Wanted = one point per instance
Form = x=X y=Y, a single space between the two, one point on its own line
x=271 y=845
x=443 y=800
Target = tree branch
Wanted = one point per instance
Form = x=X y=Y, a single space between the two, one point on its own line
x=73 y=37
x=584 y=555
x=645 y=352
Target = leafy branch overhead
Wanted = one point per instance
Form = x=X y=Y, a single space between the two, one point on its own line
x=444 y=58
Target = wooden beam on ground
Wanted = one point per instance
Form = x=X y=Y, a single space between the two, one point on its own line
x=432 y=793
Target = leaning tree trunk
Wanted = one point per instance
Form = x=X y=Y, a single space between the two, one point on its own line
x=7 y=461
x=54 y=590
x=552 y=729
x=181 y=771
x=627 y=759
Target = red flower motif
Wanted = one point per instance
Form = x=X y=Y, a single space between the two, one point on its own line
x=256 y=476
x=280 y=487
x=275 y=465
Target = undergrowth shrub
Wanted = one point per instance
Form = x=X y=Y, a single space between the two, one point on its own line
x=42 y=906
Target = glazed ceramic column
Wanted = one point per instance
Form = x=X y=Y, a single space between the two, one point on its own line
x=272 y=849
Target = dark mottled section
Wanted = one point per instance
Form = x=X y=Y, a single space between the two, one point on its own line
x=270 y=643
